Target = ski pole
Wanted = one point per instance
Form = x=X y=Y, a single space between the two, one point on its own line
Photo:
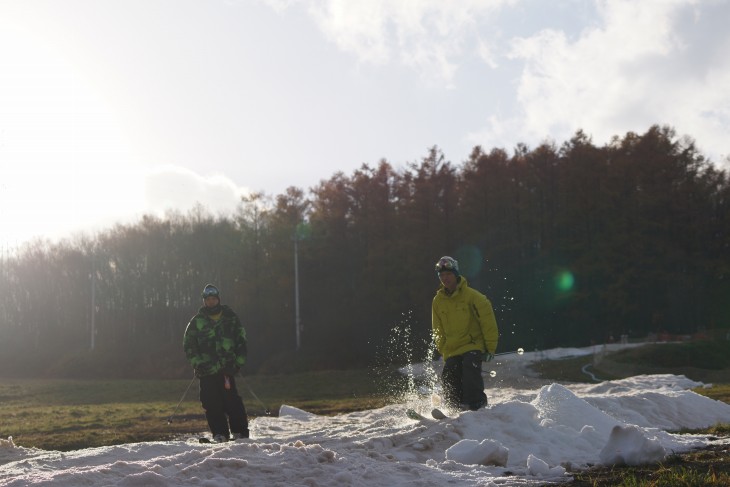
x=266 y=408
x=169 y=420
x=519 y=351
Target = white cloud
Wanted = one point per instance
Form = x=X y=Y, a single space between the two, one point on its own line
x=633 y=71
x=56 y=204
x=633 y=64
x=487 y=54
x=172 y=187
x=428 y=35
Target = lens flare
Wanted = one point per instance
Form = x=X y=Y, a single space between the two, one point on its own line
x=564 y=281
x=470 y=259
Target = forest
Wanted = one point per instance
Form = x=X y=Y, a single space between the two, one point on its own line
x=573 y=244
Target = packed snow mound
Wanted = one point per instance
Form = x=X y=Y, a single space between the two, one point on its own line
x=473 y=452
x=526 y=437
x=629 y=445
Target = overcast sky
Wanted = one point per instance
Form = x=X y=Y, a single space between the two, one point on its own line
x=112 y=109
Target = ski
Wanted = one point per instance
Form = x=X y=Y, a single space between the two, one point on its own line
x=413 y=414
x=205 y=439
x=436 y=413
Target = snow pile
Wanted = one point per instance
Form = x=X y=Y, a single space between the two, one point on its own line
x=473 y=452
x=525 y=437
x=628 y=445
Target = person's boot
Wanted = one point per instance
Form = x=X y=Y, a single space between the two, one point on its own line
x=240 y=436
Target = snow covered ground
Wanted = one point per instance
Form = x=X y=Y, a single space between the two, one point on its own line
x=532 y=433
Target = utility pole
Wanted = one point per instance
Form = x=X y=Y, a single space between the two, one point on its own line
x=93 y=303
x=300 y=233
x=297 y=322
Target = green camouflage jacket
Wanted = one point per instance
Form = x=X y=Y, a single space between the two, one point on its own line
x=214 y=346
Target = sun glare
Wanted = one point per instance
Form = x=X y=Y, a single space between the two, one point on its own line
x=64 y=163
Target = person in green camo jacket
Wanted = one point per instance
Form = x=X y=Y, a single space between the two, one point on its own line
x=215 y=345
x=465 y=333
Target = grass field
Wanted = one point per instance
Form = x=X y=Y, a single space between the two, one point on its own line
x=71 y=414
x=66 y=414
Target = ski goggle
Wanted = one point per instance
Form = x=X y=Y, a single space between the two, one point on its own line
x=446 y=265
x=210 y=291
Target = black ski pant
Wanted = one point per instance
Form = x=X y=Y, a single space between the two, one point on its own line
x=462 y=381
x=223 y=407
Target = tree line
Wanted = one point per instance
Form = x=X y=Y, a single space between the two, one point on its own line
x=573 y=244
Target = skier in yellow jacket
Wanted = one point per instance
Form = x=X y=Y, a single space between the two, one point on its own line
x=465 y=332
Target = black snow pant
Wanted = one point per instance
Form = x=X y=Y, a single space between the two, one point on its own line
x=462 y=381
x=223 y=407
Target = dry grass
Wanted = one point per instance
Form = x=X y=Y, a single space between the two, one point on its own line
x=67 y=414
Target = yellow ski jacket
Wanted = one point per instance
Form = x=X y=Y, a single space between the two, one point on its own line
x=463 y=321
